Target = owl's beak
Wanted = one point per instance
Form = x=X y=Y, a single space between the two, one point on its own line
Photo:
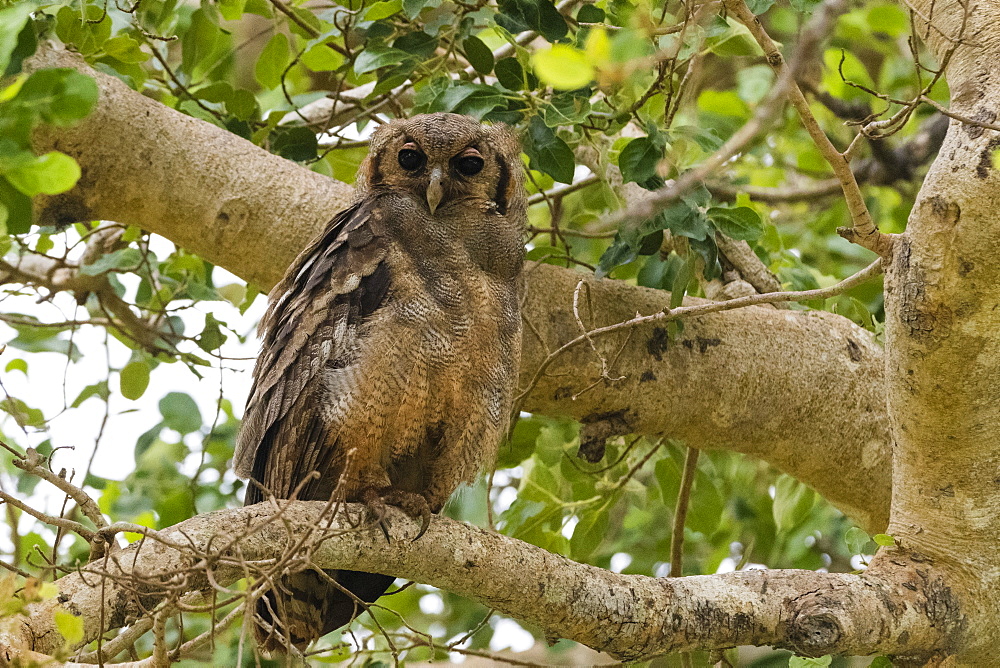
x=434 y=190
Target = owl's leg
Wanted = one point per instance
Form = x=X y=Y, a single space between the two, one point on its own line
x=411 y=503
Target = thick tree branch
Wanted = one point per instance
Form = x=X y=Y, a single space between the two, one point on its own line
x=942 y=339
x=798 y=389
x=628 y=616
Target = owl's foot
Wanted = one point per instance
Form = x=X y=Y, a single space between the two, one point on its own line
x=411 y=503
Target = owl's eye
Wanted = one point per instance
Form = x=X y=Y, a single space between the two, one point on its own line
x=410 y=159
x=469 y=165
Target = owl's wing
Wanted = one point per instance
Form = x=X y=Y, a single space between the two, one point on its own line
x=315 y=311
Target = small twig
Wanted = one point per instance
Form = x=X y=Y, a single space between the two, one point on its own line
x=159 y=658
x=32 y=465
x=681 y=510
x=863 y=231
x=959 y=117
x=85 y=532
x=562 y=190
x=776 y=195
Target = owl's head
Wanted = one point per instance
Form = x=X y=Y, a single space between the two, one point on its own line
x=444 y=158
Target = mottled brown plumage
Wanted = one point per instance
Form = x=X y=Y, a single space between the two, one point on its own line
x=390 y=348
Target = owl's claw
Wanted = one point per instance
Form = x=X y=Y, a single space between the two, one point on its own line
x=411 y=503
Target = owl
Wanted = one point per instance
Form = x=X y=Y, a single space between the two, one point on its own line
x=390 y=349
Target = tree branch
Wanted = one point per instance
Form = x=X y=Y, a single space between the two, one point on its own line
x=629 y=616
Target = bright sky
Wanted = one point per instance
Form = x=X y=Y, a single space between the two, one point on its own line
x=52 y=382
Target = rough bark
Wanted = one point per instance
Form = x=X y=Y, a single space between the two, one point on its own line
x=627 y=616
x=802 y=391
x=943 y=338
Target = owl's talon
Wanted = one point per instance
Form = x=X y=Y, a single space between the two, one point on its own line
x=424 y=523
x=385 y=530
x=411 y=503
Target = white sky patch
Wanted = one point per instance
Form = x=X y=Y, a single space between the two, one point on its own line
x=569 y=526
x=508 y=634
x=431 y=604
x=620 y=561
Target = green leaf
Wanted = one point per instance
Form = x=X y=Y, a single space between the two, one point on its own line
x=124 y=259
x=753 y=84
x=638 y=160
x=889 y=20
x=518 y=16
x=417 y=43
x=295 y=143
x=856 y=540
x=566 y=109
x=60 y=96
x=231 y=9
x=18 y=208
x=741 y=223
x=99 y=390
x=17 y=364
x=474 y=100
x=588 y=534
x=125 y=49
x=479 y=55
x=321 y=58
x=563 y=67
x=373 y=58
x=510 y=73
x=412 y=8
x=180 y=412
x=622 y=250
x=145 y=519
x=23 y=414
x=199 y=41
x=539 y=482
x=684 y=220
x=211 y=336
x=724 y=103
x=48 y=174
x=792 y=502
x=243 y=105
x=736 y=40
x=668 y=475
x=709 y=252
x=707 y=505
x=685 y=272
x=383 y=10
x=69 y=626
x=27 y=44
x=273 y=61
x=134 y=379
x=758 y=7
x=590 y=14
x=548 y=153
x=884 y=540
x=12 y=22
x=87 y=36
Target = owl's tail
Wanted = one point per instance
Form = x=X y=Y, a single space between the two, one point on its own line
x=306 y=606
